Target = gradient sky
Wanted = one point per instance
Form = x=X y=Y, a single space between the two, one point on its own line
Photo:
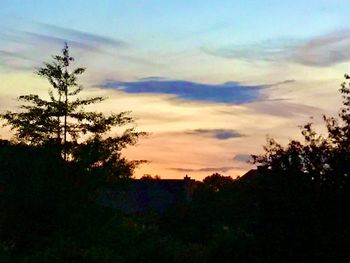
x=207 y=79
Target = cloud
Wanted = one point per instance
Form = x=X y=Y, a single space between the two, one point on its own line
x=24 y=48
x=205 y=169
x=152 y=78
x=280 y=83
x=320 y=51
x=285 y=108
x=34 y=38
x=219 y=134
x=15 y=60
x=49 y=34
x=242 y=157
x=230 y=92
x=82 y=37
x=9 y=54
x=268 y=50
x=324 y=50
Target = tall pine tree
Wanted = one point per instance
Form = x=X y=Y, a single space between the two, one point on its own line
x=62 y=119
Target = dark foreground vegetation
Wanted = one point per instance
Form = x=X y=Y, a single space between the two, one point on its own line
x=294 y=208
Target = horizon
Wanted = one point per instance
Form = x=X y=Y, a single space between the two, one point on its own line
x=208 y=81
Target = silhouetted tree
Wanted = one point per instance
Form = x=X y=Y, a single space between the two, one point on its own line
x=217 y=182
x=62 y=119
x=302 y=192
x=48 y=187
x=325 y=160
x=148 y=177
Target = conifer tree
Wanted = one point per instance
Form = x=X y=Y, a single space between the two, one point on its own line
x=62 y=119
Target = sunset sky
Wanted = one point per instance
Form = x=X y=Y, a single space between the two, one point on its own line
x=209 y=80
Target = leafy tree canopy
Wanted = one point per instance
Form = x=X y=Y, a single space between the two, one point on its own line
x=323 y=159
x=217 y=182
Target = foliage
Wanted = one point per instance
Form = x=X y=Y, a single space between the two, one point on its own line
x=325 y=160
x=148 y=177
x=62 y=120
x=217 y=182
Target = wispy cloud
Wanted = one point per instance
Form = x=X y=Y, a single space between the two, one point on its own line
x=152 y=78
x=280 y=83
x=25 y=48
x=242 y=157
x=220 y=134
x=324 y=50
x=82 y=37
x=320 y=51
x=15 y=60
x=205 y=169
x=44 y=33
x=268 y=50
x=230 y=92
x=285 y=108
x=9 y=54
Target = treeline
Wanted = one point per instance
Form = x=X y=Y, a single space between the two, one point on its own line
x=49 y=213
x=295 y=207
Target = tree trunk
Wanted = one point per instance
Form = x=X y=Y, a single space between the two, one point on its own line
x=65 y=123
x=59 y=121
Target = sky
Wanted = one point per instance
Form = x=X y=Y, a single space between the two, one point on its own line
x=208 y=80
